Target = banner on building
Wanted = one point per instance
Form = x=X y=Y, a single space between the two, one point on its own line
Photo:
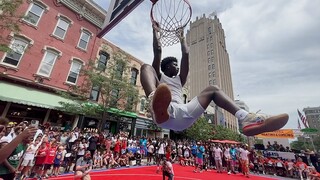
x=283 y=134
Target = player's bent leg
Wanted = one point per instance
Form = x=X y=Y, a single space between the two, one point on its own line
x=148 y=78
x=255 y=124
x=215 y=94
x=160 y=103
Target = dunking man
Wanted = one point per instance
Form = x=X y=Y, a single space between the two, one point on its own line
x=164 y=91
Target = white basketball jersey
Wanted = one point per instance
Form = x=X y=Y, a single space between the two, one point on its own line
x=175 y=87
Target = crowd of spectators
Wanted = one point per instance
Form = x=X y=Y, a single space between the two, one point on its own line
x=51 y=152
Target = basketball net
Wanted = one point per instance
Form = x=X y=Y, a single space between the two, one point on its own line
x=171 y=15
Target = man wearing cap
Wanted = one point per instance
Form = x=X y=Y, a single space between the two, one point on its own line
x=167 y=169
x=83 y=167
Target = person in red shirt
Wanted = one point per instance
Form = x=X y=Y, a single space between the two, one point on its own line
x=313 y=174
x=301 y=167
x=290 y=167
x=117 y=147
x=51 y=154
x=40 y=159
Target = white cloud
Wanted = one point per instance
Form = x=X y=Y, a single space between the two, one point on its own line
x=273 y=46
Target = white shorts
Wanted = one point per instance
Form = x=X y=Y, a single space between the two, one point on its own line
x=182 y=116
x=27 y=162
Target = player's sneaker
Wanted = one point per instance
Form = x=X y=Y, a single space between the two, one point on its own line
x=160 y=103
x=255 y=124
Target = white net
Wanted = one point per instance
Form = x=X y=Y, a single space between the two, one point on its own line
x=171 y=15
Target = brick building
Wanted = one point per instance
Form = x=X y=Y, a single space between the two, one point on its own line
x=57 y=39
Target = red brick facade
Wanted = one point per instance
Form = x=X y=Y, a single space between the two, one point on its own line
x=42 y=37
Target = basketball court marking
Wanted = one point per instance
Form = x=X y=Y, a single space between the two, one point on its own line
x=149 y=175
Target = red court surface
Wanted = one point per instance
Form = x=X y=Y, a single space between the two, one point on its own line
x=148 y=173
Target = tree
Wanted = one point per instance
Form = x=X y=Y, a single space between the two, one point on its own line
x=200 y=130
x=9 y=20
x=222 y=133
x=113 y=84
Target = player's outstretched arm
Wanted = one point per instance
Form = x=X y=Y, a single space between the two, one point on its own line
x=157 y=50
x=184 y=66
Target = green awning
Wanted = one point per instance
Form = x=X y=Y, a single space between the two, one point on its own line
x=122 y=113
x=29 y=96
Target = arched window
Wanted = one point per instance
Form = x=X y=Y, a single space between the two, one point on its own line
x=103 y=60
x=74 y=71
x=17 y=46
x=35 y=13
x=48 y=61
x=134 y=75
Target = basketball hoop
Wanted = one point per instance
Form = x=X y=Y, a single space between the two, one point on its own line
x=171 y=15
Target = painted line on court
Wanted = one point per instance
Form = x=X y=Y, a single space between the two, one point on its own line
x=150 y=175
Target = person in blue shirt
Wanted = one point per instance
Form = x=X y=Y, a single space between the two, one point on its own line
x=199 y=158
x=233 y=153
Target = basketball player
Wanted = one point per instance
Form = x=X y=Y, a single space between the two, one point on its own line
x=164 y=90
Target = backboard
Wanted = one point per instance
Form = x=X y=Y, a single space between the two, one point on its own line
x=118 y=9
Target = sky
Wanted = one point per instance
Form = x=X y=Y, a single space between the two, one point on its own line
x=273 y=46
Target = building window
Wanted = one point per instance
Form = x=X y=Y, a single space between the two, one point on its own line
x=34 y=13
x=61 y=28
x=142 y=104
x=17 y=47
x=130 y=104
x=103 y=60
x=134 y=75
x=84 y=39
x=95 y=91
x=114 y=97
x=209 y=30
x=119 y=70
x=48 y=62
x=74 y=71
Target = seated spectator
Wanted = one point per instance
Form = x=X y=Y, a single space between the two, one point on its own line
x=114 y=161
x=313 y=174
x=123 y=160
x=302 y=168
x=107 y=158
x=138 y=158
x=280 y=167
x=97 y=159
x=131 y=156
x=289 y=165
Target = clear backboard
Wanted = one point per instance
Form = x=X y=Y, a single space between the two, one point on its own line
x=118 y=9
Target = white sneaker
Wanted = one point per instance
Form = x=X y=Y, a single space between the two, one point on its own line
x=255 y=124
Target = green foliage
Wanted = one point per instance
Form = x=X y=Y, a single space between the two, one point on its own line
x=9 y=20
x=300 y=145
x=303 y=144
x=222 y=133
x=200 y=130
x=114 y=86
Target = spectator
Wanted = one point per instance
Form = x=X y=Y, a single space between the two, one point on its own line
x=84 y=166
x=167 y=169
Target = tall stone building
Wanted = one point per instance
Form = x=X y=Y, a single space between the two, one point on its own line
x=313 y=117
x=209 y=64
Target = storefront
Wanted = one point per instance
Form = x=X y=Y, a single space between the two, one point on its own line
x=142 y=129
x=19 y=103
x=118 y=120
